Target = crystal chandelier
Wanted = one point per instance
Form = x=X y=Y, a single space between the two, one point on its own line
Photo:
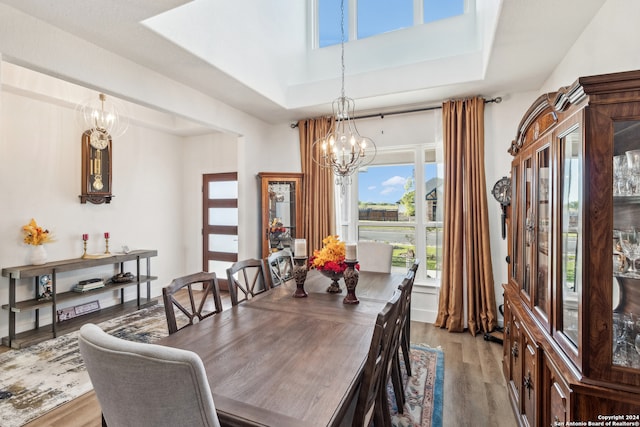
x=104 y=117
x=343 y=149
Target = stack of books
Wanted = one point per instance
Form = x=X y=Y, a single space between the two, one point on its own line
x=88 y=285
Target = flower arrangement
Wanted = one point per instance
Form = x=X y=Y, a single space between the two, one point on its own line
x=36 y=235
x=331 y=257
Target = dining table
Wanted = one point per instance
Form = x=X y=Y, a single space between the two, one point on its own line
x=276 y=360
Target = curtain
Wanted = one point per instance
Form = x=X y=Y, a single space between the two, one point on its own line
x=467 y=274
x=318 y=204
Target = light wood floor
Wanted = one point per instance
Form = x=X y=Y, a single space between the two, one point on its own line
x=475 y=392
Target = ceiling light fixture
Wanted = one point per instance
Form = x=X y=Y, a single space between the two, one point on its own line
x=343 y=149
x=104 y=117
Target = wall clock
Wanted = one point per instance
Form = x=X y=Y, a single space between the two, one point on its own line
x=502 y=193
x=96 y=167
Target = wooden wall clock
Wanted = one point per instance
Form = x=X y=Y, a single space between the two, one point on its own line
x=96 y=167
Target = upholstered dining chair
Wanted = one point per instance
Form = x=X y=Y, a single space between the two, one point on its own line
x=209 y=302
x=371 y=401
x=146 y=384
x=375 y=256
x=247 y=279
x=280 y=266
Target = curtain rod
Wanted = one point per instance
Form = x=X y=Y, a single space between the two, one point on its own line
x=497 y=100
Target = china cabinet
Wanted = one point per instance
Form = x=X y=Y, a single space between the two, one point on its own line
x=572 y=302
x=281 y=196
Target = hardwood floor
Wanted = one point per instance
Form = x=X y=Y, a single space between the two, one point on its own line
x=475 y=392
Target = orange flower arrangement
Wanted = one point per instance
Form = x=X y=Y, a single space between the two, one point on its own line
x=331 y=256
x=36 y=235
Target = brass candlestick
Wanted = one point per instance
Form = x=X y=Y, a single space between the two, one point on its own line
x=84 y=251
x=106 y=251
x=300 y=275
x=351 y=276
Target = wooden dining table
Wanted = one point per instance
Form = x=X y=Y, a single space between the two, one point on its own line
x=281 y=361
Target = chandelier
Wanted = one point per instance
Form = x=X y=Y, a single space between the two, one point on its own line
x=343 y=149
x=104 y=117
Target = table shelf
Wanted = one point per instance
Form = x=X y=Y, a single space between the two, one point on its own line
x=40 y=332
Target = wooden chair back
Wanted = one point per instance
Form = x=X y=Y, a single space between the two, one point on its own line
x=369 y=402
x=209 y=302
x=247 y=279
x=280 y=266
x=405 y=339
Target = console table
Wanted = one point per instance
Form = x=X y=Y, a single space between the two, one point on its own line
x=41 y=333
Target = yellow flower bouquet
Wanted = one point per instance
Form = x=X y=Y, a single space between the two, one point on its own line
x=331 y=257
x=36 y=235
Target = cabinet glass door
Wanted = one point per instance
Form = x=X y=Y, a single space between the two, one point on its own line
x=626 y=245
x=515 y=212
x=529 y=227
x=542 y=284
x=571 y=237
x=282 y=214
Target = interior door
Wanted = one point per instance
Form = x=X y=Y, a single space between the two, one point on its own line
x=220 y=224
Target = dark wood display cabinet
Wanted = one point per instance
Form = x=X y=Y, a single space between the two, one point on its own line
x=281 y=204
x=572 y=302
x=18 y=279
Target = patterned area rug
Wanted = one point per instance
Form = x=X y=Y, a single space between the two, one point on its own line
x=423 y=390
x=44 y=376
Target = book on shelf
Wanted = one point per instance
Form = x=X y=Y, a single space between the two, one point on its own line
x=85 y=285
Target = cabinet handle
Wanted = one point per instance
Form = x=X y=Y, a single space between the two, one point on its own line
x=507 y=329
x=527 y=383
x=514 y=350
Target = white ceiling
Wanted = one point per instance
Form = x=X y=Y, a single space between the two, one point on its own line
x=253 y=57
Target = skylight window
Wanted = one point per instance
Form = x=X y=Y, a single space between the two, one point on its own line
x=372 y=17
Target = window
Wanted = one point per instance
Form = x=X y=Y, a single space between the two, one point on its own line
x=392 y=208
x=373 y=17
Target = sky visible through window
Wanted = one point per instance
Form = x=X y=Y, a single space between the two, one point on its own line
x=386 y=184
x=379 y=16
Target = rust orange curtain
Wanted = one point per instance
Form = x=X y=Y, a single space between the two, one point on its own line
x=466 y=247
x=318 y=205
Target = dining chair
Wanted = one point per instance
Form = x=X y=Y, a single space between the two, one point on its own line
x=208 y=305
x=280 y=266
x=375 y=256
x=371 y=400
x=401 y=341
x=405 y=339
x=251 y=280
x=146 y=384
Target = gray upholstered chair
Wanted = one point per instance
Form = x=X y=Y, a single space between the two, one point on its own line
x=375 y=256
x=146 y=384
x=280 y=265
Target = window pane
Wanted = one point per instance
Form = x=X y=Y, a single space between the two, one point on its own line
x=223 y=190
x=386 y=193
x=441 y=9
x=329 y=22
x=381 y=16
x=223 y=216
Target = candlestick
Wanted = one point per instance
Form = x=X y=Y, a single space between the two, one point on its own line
x=351 y=276
x=300 y=275
x=106 y=240
x=351 y=251
x=300 y=248
x=84 y=251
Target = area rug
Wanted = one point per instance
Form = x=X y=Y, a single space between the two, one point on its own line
x=44 y=376
x=423 y=390
x=41 y=377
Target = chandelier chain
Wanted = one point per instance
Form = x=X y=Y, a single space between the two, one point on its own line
x=342 y=44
